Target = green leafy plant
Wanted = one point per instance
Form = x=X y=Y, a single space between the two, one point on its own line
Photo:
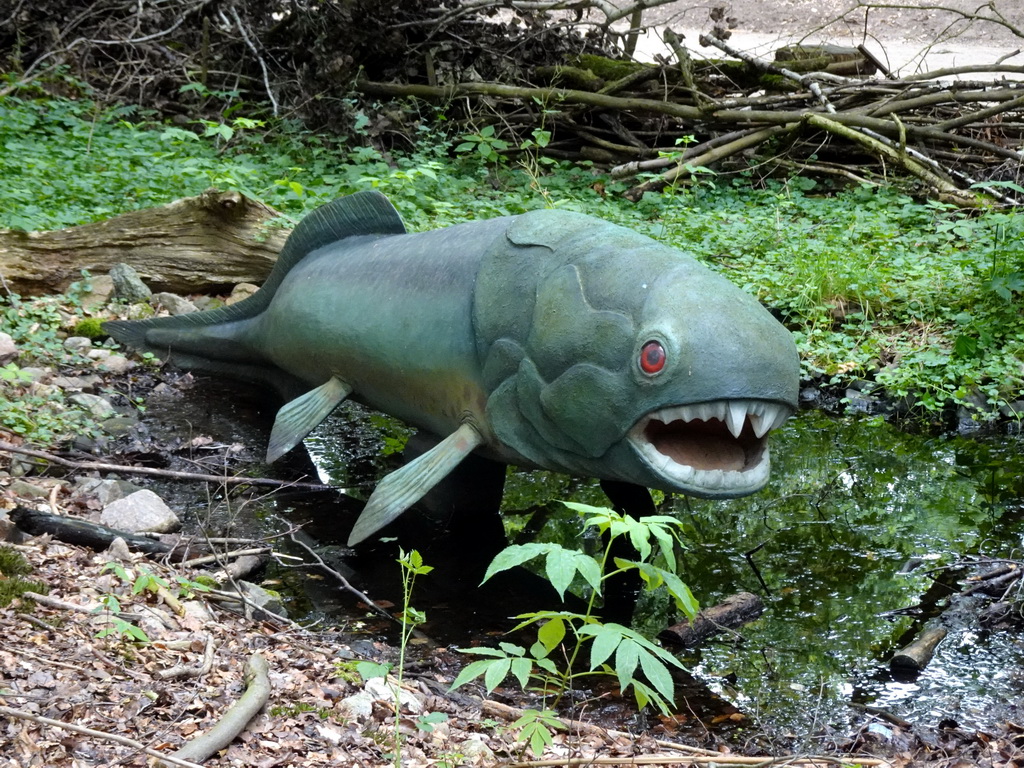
x=13 y=374
x=144 y=580
x=412 y=566
x=13 y=567
x=614 y=650
x=485 y=143
x=537 y=728
x=117 y=626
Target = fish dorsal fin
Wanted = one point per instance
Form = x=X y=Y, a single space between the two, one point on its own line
x=303 y=414
x=364 y=213
x=404 y=487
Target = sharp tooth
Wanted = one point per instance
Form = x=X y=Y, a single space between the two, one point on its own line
x=735 y=417
x=781 y=417
x=709 y=411
x=774 y=416
x=763 y=422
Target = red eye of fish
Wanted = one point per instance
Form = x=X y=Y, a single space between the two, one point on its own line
x=652 y=357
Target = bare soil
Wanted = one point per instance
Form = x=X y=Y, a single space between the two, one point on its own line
x=914 y=21
x=910 y=37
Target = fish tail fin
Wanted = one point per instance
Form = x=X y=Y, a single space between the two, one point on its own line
x=212 y=342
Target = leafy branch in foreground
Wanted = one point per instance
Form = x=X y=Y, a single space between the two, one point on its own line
x=614 y=650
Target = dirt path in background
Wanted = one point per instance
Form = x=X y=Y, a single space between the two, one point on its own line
x=913 y=37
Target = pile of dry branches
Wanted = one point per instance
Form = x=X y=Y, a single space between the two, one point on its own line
x=562 y=67
x=818 y=109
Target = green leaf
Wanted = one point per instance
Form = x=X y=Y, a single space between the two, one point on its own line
x=427 y=722
x=522 y=669
x=658 y=675
x=368 y=670
x=510 y=557
x=605 y=640
x=627 y=656
x=485 y=652
x=551 y=633
x=496 y=672
x=512 y=650
x=560 y=567
x=472 y=671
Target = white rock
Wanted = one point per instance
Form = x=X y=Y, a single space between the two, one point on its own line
x=173 y=303
x=358 y=706
x=475 y=752
x=99 y=407
x=116 y=364
x=384 y=689
x=77 y=344
x=105 y=491
x=140 y=511
x=8 y=349
x=240 y=292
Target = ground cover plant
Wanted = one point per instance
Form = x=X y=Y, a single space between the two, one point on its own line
x=911 y=299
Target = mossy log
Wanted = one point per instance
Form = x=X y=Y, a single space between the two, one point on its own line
x=200 y=244
x=734 y=611
x=835 y=59
x=570 y=77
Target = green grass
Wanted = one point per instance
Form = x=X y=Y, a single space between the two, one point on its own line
x=911 y=296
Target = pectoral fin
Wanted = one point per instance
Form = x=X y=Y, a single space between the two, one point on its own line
x=404 y=487
x=303 y=414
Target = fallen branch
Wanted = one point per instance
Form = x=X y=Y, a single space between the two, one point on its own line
x=191 y=670
x=169 y=759
x=170 y=473
x=240 y=568
x=893 y=154
x=915 y=657
x=735 y=611
x=234 y=721
x=684 y=167
x=82 y=533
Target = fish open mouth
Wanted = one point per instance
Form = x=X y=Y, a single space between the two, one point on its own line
x=715 y=449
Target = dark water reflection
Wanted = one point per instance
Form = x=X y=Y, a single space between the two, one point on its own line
x=857 y=518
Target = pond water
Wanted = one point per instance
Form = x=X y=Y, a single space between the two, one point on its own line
x=843 y=547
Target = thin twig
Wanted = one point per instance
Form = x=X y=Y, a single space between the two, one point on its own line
x=216 y=558
x=341 y=579
x=256 y=53
x=224 y=479
x=20 y=715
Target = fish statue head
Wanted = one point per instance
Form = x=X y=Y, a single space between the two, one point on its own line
x=629 y=360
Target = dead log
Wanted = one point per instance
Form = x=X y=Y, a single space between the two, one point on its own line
x=915 y=657
x=82 y=533
x=734 y=611
x=201 y=244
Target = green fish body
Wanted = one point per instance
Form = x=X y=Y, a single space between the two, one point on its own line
x=550 y=340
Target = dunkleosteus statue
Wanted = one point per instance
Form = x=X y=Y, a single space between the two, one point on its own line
x=550 y=339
